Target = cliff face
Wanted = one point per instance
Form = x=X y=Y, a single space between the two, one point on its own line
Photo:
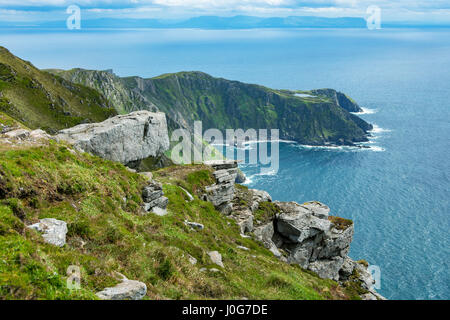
x=321 y=118
x=300 y=234
x=41 y=100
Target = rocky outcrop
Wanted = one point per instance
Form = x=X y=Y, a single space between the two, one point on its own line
x=126 y=290
x=216 y=258
x=53 y=231
x=221 y=194
x=339 y=98
x=125 y=138
x=302 y=234
x=19 y=136
x=154 y=200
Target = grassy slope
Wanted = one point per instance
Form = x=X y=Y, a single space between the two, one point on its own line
x=107 y=234
x=40 y=99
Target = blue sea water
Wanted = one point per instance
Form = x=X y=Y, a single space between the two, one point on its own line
x=397 y=193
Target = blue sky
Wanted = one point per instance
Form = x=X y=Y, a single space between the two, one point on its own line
x=437 y=11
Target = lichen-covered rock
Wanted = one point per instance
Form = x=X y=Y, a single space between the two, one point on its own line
x=327 y=268
x=216 y=258
x=18 y=134
x=266 y=234
x=124 y=138
x=126 y=290
x=194 y=225
x=297 y=223
x=222 y=193
x=259 y=196
x=53 y=231
x=154 y=199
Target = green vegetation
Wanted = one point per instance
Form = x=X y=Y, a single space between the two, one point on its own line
x=219 y=103
x=265 y=212
x=41 y=100
x=107 y=234
x=340 y=223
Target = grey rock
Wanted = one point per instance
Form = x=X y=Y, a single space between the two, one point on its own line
x=194 y=225
x=159 y=211
x=243 y=248
x=259 y=196
x=192 y=260
x=191 y=198
x=318 y=209
x=18 y=134
x=244 y=220
x=53 y=231
x=124 y=138
x=39 y=135
x=347 y=269
x=148 y=175
x=148 y=194
x=216 y=258
x=240 y=177
x=297 y=223
x=222 y=193
x=126 y=290
x=327 y=269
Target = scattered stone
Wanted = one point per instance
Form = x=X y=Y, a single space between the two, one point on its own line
x=243 y=248
x=148 y=175
x=214 y=270
x=39 y=135
x=216 y=258
x=194 y=225
x=18 y=134
x=154 y=200
x=191 y=198
x=258 y=197
x=124 y=138
x=53 y=231
x=159 y=211
x=192 y=260
x=126 y=290
x=221 y=194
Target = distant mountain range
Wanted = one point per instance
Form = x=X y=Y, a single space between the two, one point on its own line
x=208 y=22
x=223 y=23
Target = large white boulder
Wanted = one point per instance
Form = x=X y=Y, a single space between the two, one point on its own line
x=124 y=138
x=53 y=231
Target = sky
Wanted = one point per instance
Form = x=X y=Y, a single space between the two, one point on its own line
x=422 y=11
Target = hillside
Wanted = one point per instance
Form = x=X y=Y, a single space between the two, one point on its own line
x=41 y=100
x=318 y=118
x=107 y=232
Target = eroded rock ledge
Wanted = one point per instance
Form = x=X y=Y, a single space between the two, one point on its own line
x=304 y=234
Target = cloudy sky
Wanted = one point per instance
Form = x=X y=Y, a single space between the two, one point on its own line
x=398 y=10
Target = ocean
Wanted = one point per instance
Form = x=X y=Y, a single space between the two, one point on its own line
x=397 y=192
